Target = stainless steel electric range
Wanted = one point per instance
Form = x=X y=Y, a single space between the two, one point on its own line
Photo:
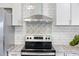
x=38 y=45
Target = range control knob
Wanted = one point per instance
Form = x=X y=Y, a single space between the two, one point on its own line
x=27 y=37
x=30 y=38
x=49 y=38
x=46 y=38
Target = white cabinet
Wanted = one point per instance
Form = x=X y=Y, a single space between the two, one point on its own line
x=75 y=13
x=71 y=53
x=63 y=14
x=67 y=14
x=17 y=14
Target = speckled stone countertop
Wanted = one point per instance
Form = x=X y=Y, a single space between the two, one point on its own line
x=58 y=48
x=71 y=48
x=15 y=48
x=67 y=48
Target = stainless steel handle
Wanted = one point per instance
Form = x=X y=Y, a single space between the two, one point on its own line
x=4 y=44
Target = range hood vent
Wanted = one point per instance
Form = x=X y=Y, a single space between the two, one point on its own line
x=38 y=18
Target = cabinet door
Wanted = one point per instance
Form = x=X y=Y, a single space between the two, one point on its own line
x=17 y=14
x=75 y=13
x=63 y=14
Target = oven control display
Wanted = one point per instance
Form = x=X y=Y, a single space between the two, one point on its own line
x=38 y=38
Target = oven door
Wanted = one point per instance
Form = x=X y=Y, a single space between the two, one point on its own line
x=38 y=45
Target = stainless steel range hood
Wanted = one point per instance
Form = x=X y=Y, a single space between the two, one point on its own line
x=38 y=18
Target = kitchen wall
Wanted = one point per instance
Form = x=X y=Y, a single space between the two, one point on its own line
x=38 y=28
x=31 y=9
x=32 y=28
x=61 y=34
x=64 y=34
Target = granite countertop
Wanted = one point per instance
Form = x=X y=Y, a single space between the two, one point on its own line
x=74 y=49
x=67 y=48
x=58 y=48
x=16 y=48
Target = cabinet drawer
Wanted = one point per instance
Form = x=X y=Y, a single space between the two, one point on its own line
x=71 y=54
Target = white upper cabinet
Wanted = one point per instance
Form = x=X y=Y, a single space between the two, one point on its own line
x=63 y=14
x=67 y=14
x=75 y=13
x=17 y=14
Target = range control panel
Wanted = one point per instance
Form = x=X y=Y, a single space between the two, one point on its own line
x=38 y=38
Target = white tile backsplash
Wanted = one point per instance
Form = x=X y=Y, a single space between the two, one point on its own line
x=19 y=34
x=38 y=28
x=62 y=35
x=31 y=28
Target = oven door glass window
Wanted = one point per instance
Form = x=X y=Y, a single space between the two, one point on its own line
x=38 y=45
